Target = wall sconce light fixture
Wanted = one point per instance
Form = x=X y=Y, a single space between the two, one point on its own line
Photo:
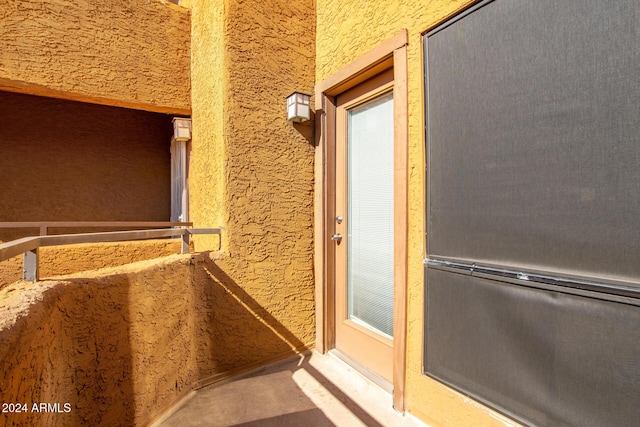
x=298 y=107
x=181 y=129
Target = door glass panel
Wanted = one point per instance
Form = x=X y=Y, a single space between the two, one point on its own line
x=370 y=214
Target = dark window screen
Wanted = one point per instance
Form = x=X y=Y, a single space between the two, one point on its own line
x=533 y=213
x=545 y=358
x=533 y=117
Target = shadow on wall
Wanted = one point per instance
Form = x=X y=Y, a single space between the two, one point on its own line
x=65 y=160
x=121 y=345
x=242 y=333
x=306 y=129
x=69 y=359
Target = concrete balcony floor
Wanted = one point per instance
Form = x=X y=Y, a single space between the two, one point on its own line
x=307 y=390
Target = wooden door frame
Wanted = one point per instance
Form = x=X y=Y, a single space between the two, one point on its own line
x=390 y=54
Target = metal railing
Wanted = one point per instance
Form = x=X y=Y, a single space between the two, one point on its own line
x=44 y=225
x=29 y=246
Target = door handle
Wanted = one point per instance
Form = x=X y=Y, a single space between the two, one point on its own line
x=337 y=237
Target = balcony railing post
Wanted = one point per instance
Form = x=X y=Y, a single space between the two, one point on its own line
x=185 y=241
x=31 y=271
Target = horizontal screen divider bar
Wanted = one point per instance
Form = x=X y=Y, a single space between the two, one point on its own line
x=585 y=286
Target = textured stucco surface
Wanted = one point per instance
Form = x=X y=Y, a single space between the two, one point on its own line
x=121 y=344
x=70 y=161
x=111 y=346
x=343 y=36
x=132 y=53
x=251 y=170
x=209 y=92
x=61 y=260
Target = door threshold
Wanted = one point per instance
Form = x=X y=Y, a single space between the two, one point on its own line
x=363 y=370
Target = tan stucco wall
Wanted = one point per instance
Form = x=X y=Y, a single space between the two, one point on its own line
x=132 y=53
x=70 y=161
x=251 y=170
x=115 y=346
x=209 y=111
x=122 y=344
x=347 y=29
x=61 y=260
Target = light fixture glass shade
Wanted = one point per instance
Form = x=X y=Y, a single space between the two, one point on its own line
x=298 y=107
x=181 y=129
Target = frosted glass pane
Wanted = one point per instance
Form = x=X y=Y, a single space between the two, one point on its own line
x=370 y=220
